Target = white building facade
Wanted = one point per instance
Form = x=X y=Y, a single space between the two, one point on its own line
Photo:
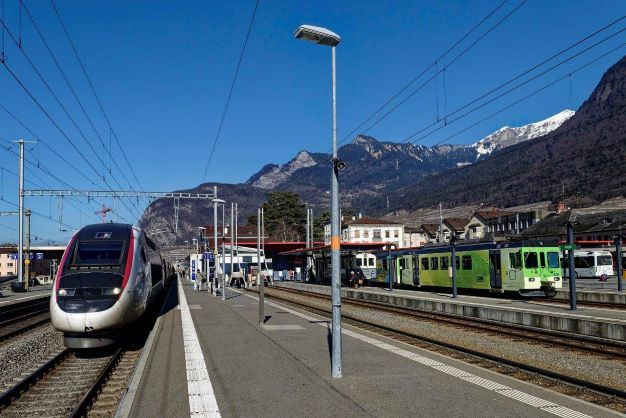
x=368 y=230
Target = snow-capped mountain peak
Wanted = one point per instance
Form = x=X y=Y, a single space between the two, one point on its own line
x=507 y=136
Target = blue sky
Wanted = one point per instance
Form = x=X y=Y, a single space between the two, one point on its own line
x=163 y=70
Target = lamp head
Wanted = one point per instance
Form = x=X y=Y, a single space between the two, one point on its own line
x=317 y=35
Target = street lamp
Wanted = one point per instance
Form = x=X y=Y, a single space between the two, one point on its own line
x=323 y=36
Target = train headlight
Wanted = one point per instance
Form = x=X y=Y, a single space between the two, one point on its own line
x=66 y=292
x=532 y=279
x=117 y=291
x=111 y=291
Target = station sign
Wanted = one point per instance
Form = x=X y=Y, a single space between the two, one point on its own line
x=208 y=256
x=32 y=256
x=568 y=247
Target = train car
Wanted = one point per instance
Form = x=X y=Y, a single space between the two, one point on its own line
x=364 y=264
x=106 y=280
x=529 y=269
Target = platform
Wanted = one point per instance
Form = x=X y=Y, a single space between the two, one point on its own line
x=210 y=358
x=35 y=292
x=596 y=322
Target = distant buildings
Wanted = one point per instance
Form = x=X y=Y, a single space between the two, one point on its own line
x=364 y=229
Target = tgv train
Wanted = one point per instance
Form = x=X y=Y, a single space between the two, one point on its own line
x=527 y=268
x=107 y=278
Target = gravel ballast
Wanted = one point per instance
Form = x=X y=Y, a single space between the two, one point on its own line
x=26 y=352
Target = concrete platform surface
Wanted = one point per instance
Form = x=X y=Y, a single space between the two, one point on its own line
x=211 y=358
x=9 y=298
x=598 y=322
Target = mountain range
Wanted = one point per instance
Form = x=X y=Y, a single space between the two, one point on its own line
x=577 y=155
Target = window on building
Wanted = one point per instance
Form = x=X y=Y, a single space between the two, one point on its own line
x=366 y=234
x=530 y=260
x=444 y=263
x=377 y=233
x=467 y=262
x=9 y=264
x=357 y=234
x=425 y=263
x=387 y=234
x=515 y=260
x=396 y=234
x=434 y=263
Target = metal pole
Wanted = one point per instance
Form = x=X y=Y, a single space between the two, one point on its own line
x=27 y=245
x=20 y=209
x=232 y=239
x=453 y=261
x=389 y=267
x=215 y=247
x=618 y=252
x=307 y=245
x=223 y=255
x=572 y=283
x=335 y=242
x=258 y=259
x=440 y=224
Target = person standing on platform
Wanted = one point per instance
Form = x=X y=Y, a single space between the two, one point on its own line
x=200 y=279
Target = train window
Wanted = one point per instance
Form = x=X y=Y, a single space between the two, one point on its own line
x=434 y=263
x=530 y=260
x=402 y=263
x=458 y=263
x=444 y=263
x=553 y=260
x=605 y=260
x=515 y=261
x=542 y=259
x=98 y=253
x=371 y=261
x=425 y=263
x=467 y=262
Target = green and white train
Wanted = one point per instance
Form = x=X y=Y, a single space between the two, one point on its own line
x=528 y=268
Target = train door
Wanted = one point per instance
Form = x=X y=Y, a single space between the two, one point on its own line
x=416 y=270
x=495 y=269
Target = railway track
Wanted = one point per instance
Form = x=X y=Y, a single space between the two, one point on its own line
x=22 y=316
x=592 y=392
x=72 y=384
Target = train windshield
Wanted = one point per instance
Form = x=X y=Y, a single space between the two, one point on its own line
x=98 y=253
x=553 y=260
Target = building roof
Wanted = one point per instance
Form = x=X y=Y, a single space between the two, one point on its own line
x=457 y=224
x=367 y=220
x=430 y=229
x=347 y=246
x=585 y=221
x=492 y=213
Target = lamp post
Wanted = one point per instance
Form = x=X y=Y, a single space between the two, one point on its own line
x=323 y=36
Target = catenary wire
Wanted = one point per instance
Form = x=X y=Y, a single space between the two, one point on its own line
x=230 y=92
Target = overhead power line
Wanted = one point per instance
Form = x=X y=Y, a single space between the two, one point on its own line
x=93 y=90
x=356 y=170
x=230 y=92
x=438 y=71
